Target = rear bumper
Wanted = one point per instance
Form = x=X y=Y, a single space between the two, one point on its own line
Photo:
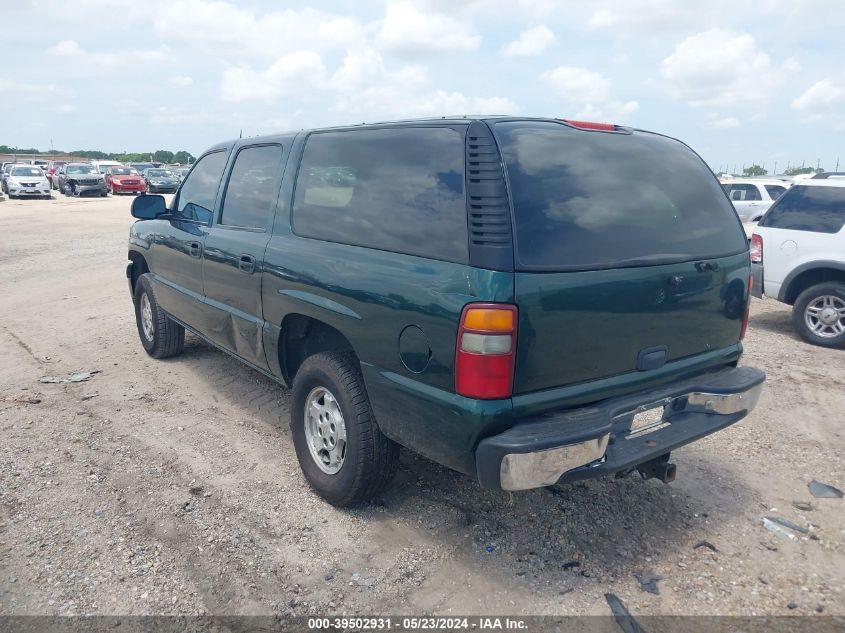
x=757 y=285
x=597 y=440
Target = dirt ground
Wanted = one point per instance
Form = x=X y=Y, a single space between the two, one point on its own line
x=173 y=487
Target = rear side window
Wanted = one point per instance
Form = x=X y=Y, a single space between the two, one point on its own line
x=591 y=200
x=803 y=208
x=196 y=197
x=397 y=189
x=253 y=187
x=775 y=191
x=744 y=193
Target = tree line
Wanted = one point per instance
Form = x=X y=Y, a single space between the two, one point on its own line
x=158 y=156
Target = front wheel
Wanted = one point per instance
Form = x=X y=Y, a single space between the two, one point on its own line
x=160 y=335
x=342 y=452
x=819 y=314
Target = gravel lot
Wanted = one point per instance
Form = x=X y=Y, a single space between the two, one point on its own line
x=173 y=487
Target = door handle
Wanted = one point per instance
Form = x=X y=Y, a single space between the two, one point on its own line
x=195 y=249
x=246 y=264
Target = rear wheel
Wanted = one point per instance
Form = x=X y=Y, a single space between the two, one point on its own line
x=160 y=335
x=819 y=314
x=341 y=450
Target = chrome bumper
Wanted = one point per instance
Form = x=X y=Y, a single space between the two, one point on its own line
x=613 y=445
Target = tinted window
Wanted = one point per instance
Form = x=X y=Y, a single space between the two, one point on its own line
x=196 y=197
x=802 y=208
x=589 y=200
x=399 y=189
x=775 y=191
x=253 y=187
x=744 y=193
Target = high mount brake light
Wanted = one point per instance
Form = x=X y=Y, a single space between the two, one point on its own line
x=590 y=125
x=486 y=351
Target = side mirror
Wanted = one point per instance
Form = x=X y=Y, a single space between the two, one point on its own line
x=148 y=207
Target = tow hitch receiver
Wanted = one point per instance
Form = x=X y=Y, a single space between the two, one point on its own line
x=658 y=468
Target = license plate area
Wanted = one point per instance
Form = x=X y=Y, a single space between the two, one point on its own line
x=647 y=418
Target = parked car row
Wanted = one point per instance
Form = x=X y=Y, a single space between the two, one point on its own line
x=96 y=177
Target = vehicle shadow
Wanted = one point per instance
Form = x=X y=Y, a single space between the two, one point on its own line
x=552 y=539
x=779 y=322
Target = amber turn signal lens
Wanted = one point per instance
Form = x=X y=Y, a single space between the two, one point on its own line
x=489 y=320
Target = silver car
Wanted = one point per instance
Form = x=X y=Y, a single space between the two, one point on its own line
x=27 y=181
x=78 y=178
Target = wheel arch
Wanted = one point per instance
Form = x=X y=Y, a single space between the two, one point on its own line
x=139 y=267
x=808 y=275
x=303 y=336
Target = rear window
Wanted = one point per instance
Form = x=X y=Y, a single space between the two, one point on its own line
x=775 y=191
x=744 y=193
x=397 y=189
x=591 y=200
x=803 y=208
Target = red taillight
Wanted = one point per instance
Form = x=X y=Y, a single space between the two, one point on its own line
x=756 y=249
x=486 y=349
x=590 y=125
x=745 y=314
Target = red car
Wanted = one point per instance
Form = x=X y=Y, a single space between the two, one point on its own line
x=124 y=180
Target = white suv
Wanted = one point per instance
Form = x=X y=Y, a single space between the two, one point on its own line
x=798 y=256
x=752 y=198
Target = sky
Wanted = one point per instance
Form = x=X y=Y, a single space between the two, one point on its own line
x=740 y=82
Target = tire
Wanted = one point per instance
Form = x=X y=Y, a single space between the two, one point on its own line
x=167 y=337
x=370 y=459
x=826 y=325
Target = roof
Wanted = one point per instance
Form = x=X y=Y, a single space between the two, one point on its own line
x=447 y=120
x=825 y=182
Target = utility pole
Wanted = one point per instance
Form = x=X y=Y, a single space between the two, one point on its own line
x=837 y=164
x=775 y=170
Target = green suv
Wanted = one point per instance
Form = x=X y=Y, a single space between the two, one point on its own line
x=527 y=301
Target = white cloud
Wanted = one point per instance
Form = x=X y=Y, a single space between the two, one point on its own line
x=611 y=111
x=407 y=30
x=588 y=94
x=180 y=80
x=222 y=26
x=720 y=68
x=446 y=103
x=577 y=84
x=77 y=61
x=821 y=95
x=725 y=123
x=29 y=91
x=364 y=86
x=531 y=42
x=291 y=73
x=181 y=116
x=644 y=15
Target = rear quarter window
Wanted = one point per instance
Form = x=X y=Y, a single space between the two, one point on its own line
x=775 y=191
x=394 y=189
x=804 y=208
x=591 y=200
